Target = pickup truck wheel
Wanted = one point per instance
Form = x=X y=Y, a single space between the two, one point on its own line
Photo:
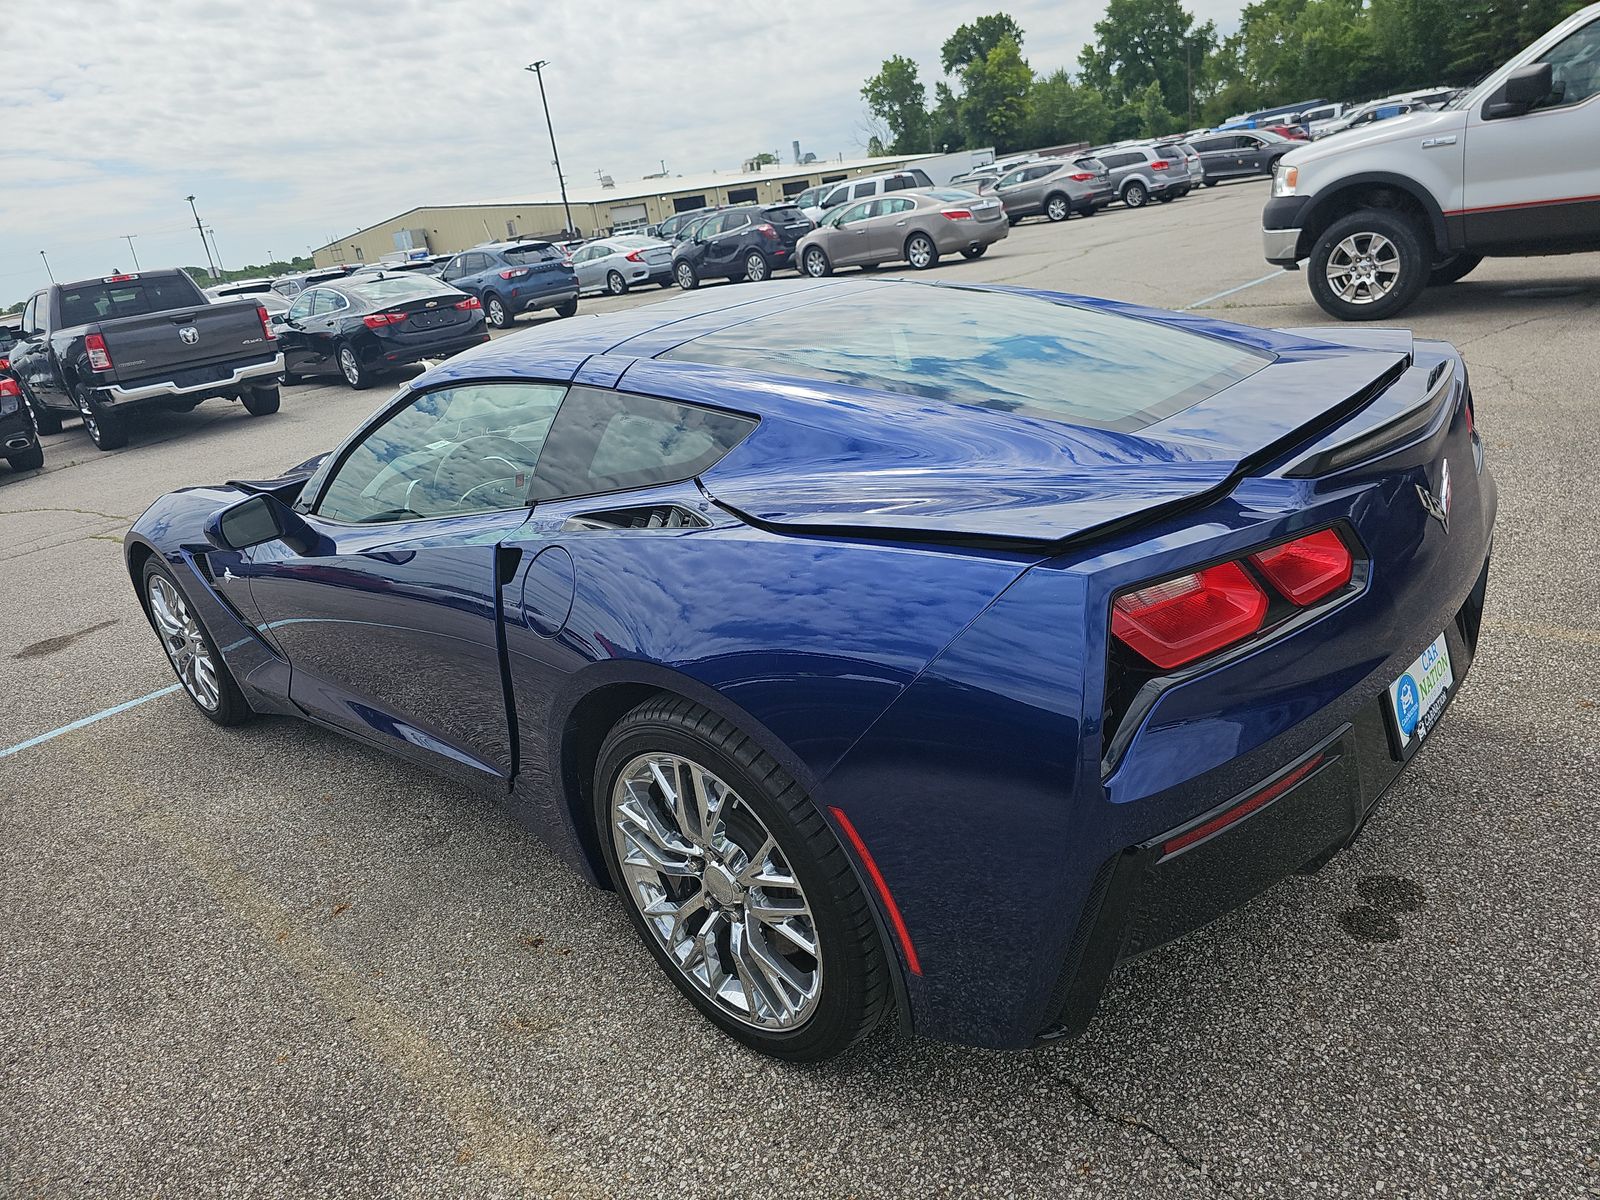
x=261 y=402
x=31 y=459
x=1457 y=266
x=1368 y=266
x=108 y=431
x=350 y=367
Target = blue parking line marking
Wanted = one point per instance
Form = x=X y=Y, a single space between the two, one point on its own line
x=1233 y=290
x=90 y=720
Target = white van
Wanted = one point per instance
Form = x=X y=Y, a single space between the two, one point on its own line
x=833 y=195
x=1508 y=169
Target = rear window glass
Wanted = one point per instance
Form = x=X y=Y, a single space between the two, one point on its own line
x=397 y=287
x=786 y=214
x=1015 y=354
x=538 y=252
x=1089 y=164
x=84 y=303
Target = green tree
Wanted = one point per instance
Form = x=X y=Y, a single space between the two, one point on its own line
x=969 y=43
x=1061 y=111
x=1485 y=33
x=1139 y=42
x=897 y=98
x=1154 y=119
x=944 y=119
x=994 y=97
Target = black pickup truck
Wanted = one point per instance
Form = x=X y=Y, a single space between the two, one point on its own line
x=107 y=349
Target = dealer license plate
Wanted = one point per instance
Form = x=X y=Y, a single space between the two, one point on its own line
x=1418 y=697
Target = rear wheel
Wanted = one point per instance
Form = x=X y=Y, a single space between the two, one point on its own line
x=261 y=402
x=1457 y=266
x=1210 y=182
x=499 y=315
x=921 y=253
x=1135 y=194
x=193 y=655
x=1368 y=265
x=567 y=308
x=816 y=263
x=737 y=887
x=616 y=284
x=1167 y=197
x=688 y=280
x=974 y=252
x=31 y=459
x=356 y=375
x=108 y=431
x=1057 y=208
x=756 y=267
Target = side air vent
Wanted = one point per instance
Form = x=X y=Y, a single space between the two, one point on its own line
x=653 y=516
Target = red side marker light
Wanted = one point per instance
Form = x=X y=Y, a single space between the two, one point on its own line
x=1308 y=568
x=896 y=921
x=1244 y=808
x=1182 y=619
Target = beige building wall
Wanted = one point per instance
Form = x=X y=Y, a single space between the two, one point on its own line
x=451 y=228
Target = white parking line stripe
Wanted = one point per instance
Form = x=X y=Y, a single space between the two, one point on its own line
x=82 y=721
x=1233 y=291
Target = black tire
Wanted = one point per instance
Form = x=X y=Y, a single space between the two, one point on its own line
x=108 y=431
x=974 y=252
x=567 y=308
x=616 y=285
x=261 y=402
x=288 y=379
x=351 y=367
x=497 y=312
x=921 y=246
x=815 y=263
x=856 y=988
x=1211 y=182
x=47 y=421
x=1411 y=277
x=31 y=459
x=1135 y=195
x=1057 y=207
x=1166 y=197
x=1457 y=266
x=688 y=278
x=1012 y=221
x=1089 y=210
x=756 y=267
x=870 y=266
x=232 y=708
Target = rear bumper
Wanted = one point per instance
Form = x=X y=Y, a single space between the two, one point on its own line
x=228 y=380
x=399 y=356
x=545 y=299
x=1317 y=802
x=16 y=431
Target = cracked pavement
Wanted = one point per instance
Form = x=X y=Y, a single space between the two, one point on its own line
x=269 y=961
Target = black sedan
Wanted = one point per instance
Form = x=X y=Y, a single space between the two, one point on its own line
x=367 y=324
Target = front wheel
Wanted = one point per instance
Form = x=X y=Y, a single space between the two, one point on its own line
x=1135 y=194
x=194 y=656
x=816 y=263
x=687 y=279
x=756 y=267
x=616 y=285
x=974 y=252
x=921 y=253
x=1211 y=182
x=356 y=375
x=1167 y=197
x=261 y=402
x=1457 y=266
x=567 y=308
x=44 y=419
x=1368 y=266
x=740 y=891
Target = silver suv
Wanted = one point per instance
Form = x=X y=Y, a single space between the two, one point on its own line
x=1057 y=188
x=1141 y=172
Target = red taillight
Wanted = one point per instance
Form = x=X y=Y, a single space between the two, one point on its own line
x=634 y=256
x=767 y=231
x=1081 y=177
x=10 y=387
x=470 y=302
x=957 y=214
x=99 y=356
x=1244 y=808
x=379 y=320
x=1308 y=568
x=517 y=272
x=5 y=364
x=266 y=323
x=1160 y=164
x=1186 y=618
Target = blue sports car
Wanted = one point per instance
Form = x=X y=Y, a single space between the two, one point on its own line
x=890 y=647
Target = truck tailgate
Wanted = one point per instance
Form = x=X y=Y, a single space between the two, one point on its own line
x=160 y=344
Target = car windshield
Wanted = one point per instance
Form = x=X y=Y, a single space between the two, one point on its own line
x=1013 y=353
x=390 y=288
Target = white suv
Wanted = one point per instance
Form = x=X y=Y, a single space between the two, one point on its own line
x=1508 y=169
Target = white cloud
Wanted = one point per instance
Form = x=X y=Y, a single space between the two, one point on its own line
x=296 y=120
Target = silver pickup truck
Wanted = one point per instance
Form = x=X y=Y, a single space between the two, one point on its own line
x=106 y=349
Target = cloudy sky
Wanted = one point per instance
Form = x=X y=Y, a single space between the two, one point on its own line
x=297 y=121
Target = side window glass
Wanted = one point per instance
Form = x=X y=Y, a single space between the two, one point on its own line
x=445 y=453
x=865 y=189
x=28 y=314
x=1575 y=68
x=605 y=441
x=301 y=308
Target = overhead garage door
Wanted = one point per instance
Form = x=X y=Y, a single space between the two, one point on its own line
x=627 y=217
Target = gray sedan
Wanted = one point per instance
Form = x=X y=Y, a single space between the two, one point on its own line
x=615 y=264
x=914 y=226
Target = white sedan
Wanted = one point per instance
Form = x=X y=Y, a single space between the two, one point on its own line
x=615 y=264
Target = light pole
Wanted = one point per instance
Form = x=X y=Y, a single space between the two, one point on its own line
x=213 y=233
x=538 y=69
x=128 y=237
x=47 y=269
x=204 y=244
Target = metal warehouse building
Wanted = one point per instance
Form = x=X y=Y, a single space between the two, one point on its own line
x=446 y=228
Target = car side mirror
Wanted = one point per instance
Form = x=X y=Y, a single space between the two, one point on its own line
x=257 y=520
x=1522 y=89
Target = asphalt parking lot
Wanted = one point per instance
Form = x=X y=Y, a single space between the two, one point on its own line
x=268 y=961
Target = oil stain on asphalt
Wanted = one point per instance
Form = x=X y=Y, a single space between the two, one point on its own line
x=1375 y=921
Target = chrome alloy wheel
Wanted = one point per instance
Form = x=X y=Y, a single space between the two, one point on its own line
x=1363 y=268
x=184 y=643
x=349 y=365
x=920 y=253
x=716 y=891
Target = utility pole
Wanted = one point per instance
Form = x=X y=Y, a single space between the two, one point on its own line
x=204 y=244
x=213 y=233
x=47 y=269
x=538 y=70
x=128 y=237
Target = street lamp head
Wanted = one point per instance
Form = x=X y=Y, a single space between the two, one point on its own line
x=190 y=199
x=534 y=67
